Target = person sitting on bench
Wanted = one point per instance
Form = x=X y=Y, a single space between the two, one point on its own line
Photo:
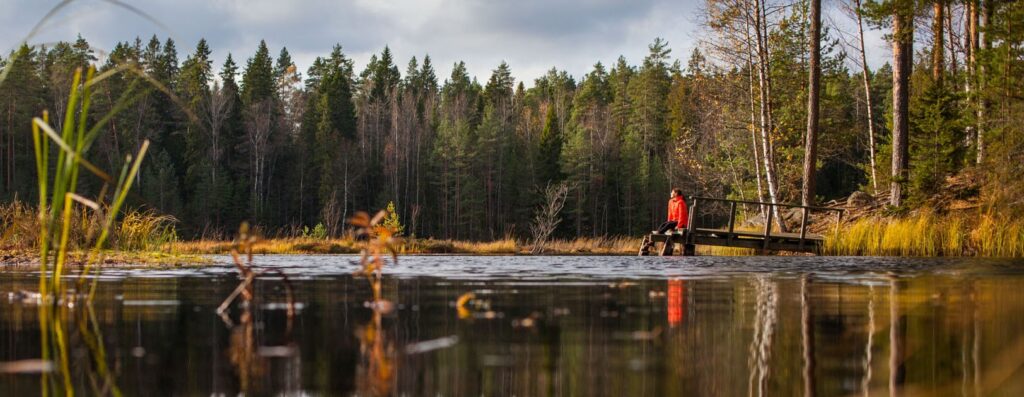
x=677 y=215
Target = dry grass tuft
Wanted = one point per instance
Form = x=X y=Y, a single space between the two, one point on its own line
x=137 y=231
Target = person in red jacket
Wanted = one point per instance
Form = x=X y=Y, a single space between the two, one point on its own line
x=677 y=215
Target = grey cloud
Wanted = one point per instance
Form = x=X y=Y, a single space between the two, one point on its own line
x=531 y=35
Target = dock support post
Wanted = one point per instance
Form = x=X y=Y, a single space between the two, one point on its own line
x=768 y=228
x=667 y=249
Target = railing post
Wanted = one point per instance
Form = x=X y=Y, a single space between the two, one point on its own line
x=768 y=226
x=803 y=227
x=732 y=219
x=691 y=222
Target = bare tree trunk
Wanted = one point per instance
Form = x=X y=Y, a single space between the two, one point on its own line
x=867 y=99
x=814 y=77
x=984 y=42
x=765 y=87
x=951 y=41
x=753 y=116
x=971 y=47
x=902 y=54
x=344 y=199
x=939 y=46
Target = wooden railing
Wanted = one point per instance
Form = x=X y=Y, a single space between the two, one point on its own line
x=695 y=205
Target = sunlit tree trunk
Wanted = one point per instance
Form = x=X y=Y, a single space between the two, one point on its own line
x=814 y=76
x=867 y=99
x=753 y=113
x=764 y=82
x=951 y=42
x=984 y=42
x=971 y=47
x=938 y=44
x=902 y=54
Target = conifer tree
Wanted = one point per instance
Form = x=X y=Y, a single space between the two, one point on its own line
x=549 y=150
x=260 y=114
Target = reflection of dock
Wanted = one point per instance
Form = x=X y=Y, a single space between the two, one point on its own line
x=703 y=232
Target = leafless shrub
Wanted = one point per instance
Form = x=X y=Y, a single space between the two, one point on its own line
x=547 y=216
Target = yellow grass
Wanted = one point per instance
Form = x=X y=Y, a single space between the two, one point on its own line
x=928 y=234
x=294 y=245
x=505 y=246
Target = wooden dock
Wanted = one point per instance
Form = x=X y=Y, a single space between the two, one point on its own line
x=702 y=232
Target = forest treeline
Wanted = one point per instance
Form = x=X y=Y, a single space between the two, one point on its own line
x=262 y=141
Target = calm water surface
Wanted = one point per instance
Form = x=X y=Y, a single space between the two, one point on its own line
x=586 y=326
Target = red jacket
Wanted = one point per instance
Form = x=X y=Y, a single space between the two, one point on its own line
x=677 y=212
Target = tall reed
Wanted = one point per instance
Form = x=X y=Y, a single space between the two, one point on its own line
x=58 y=206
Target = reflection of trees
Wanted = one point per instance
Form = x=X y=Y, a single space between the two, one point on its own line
x=897 y=330
x=866 y=381
x=764 y=330
x=807 y=335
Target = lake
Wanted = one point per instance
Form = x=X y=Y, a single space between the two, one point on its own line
x=530 y=326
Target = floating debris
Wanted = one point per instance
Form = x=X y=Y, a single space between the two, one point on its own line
x=431 y=345
x=462 y=306
x=32 y=366
x=492 y=360
x=276 y=351
x=524 y=323
x=152 y=302
x=24 y=297
x=489 y=315
x=639 y=335
x=282 y=306
x=382 y=306
x=528 y=321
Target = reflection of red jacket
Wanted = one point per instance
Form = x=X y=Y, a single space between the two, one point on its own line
x=677 y=212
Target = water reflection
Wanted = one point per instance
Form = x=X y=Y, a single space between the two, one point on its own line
x=947 y=330
x=676 y=303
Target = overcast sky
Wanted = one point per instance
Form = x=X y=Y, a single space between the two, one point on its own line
x=531 y=35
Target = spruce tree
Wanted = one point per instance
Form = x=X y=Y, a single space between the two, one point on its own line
x=200 y=188
x=21 y=99
x=549 y=150
x=235 y=162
